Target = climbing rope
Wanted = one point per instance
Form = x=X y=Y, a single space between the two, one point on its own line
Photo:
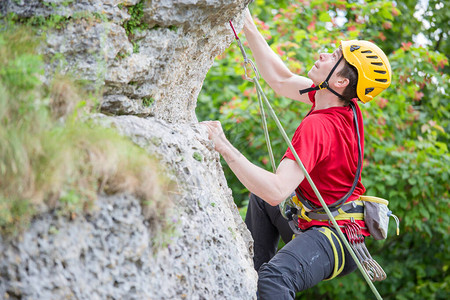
x=262 y=99
x=247 y=76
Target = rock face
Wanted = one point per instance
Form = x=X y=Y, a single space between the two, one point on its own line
x=150 y=81
x=160 y=69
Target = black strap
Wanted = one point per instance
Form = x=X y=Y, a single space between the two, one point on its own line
x=341 y=201
x=324 y=85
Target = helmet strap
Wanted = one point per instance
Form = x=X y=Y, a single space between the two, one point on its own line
x=324 y=84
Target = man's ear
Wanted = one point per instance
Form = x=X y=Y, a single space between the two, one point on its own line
x=341 y=82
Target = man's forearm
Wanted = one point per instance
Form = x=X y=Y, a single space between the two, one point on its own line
x=273 y=188
x=260 y=182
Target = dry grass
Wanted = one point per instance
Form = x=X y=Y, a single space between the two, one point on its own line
x=50 y=159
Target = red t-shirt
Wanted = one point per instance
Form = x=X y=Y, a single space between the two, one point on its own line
x=327 y=145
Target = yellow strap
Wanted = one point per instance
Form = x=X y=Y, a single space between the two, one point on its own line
x=356 y=216
x=374 y=199
x=340 y=217
x=337 y=269
x=304 y=216
x=301 y=208
x=296 y=201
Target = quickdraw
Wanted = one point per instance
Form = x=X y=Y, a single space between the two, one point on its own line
x=247 y=61
x=356 y=239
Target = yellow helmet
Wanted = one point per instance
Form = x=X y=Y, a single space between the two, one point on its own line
x=374 y=70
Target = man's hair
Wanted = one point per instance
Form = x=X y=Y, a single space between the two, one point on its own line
x=349 y=72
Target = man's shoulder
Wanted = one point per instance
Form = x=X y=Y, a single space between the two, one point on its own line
x=319 y=119
x=315 y=125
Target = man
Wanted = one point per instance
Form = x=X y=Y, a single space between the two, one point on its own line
x=327 y=143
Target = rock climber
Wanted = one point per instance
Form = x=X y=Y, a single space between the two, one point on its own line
x=327 y=145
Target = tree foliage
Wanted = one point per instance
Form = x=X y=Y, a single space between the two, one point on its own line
x=407 y=127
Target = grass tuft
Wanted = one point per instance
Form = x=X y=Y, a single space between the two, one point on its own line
x=51 y=159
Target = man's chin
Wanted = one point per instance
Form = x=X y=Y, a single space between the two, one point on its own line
x=311 y=75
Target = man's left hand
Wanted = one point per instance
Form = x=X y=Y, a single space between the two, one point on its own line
x=216 y=134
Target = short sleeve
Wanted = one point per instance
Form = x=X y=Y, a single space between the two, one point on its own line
x=311 y=141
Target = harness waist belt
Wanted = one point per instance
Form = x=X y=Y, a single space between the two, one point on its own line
x=353 y=209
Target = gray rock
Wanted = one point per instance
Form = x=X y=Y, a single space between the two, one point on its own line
x=114 y=252
x=111 y=253
x=67 y=8
x=122 y=105
x=170 y=58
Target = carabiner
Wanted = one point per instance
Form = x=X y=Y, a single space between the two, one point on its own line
x=247 y=75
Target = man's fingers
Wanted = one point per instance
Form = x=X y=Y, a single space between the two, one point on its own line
x=215 y=133
x=214 y=128
x=212 y=124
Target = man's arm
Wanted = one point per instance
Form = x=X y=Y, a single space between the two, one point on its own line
x=272 y=68
x=272 y=188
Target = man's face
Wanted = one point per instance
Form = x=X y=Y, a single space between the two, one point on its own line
x=323 y=66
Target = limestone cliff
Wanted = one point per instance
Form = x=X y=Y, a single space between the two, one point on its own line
x=149 y=58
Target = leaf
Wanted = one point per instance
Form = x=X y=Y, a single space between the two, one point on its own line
x=324 y=17
x=415 y=191
x=300 y=35
x=425 y=213
x=412 y=180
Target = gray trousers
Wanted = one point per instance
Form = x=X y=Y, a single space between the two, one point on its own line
x=300 y=264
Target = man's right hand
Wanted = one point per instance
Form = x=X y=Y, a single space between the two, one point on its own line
x=271 y=67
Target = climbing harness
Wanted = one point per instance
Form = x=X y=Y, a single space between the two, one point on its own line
x=369 y=268
x=377 y=224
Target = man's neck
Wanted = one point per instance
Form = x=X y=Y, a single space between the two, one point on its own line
x=326 y=99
